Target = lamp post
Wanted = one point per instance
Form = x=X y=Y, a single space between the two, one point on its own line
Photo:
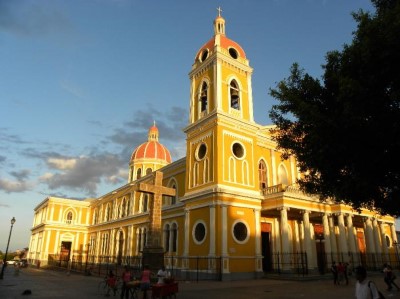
x=8 y=243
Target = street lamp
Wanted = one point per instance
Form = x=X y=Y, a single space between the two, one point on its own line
x=5 y=257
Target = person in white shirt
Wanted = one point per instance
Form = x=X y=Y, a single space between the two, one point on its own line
x=161 y=274
x=365 y=289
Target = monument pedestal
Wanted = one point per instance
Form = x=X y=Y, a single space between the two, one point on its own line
x=153 y=257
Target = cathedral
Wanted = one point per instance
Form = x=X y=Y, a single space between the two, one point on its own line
x=231 y=200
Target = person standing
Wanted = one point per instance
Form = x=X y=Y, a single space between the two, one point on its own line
x=162 y=274
x=365 y=289
x=340 y=272
x=126 y=278
x=111 y=283
x=145 y=281
x=335 y=273
x=389 y=277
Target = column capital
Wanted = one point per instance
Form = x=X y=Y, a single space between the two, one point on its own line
x=283 y=208
x=305 y=212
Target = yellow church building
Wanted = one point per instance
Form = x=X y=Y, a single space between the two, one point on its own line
x=236 y=204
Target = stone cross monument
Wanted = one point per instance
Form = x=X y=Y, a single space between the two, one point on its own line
x=153 y=251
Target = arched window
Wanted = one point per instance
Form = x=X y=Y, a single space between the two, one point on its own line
x=139 y=173
x=173 y=198
x=204 y=97
x=174 y=237
x=95 y=216
x=108 y=213
x=148 y=171
x=262 y=175
x=123 y=208
x=145 y=202
x=234 y=95
x=69 y=218
x=282 y=175
x=167 y=238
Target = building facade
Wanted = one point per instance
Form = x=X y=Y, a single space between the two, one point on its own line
x=236 y=199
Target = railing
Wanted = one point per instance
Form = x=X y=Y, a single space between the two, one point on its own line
x=289 y=263
x=196 y=268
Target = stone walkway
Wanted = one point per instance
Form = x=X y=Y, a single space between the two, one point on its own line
x=52 y=284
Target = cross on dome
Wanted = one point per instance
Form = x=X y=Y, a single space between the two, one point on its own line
x=219 y=11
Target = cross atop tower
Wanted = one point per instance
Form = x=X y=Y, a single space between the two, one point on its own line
x=219 y=11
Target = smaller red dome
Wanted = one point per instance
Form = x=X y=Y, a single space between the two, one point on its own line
x=152 y=149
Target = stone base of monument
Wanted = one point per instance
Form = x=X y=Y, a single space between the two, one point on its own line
x=153 y=257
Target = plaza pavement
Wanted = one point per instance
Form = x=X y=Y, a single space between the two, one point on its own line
x=57 y=284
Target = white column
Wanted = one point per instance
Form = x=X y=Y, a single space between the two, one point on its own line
x=393 y=232
x=327 y=233
x=333 y=236
x=369 y=235
x=307 y=235
x=212 y=232
x=377 y=240
x=343 y=247
x=277 y=236
x=351 y=235
x=307 y=239
x=284 y=230
x=383 y=238
x=297 y=236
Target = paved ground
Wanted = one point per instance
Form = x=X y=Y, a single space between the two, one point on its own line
x=53 y=284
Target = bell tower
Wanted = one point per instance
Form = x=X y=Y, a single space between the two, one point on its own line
x=220 y=103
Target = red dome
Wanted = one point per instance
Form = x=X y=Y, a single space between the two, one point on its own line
x=152 y=149
x=225 y=43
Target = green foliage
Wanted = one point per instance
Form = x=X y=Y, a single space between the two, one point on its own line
x=345 y=129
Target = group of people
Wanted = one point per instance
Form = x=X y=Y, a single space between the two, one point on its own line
x=340 y=273
x=145 y=279
x=365 y=288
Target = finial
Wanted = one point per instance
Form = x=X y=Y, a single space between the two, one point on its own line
x=219 y=11
x=154 y=123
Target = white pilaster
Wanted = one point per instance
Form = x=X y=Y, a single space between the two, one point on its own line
x=212 y=232
x=343 y=247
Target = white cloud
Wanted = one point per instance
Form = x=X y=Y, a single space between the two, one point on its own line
x=62 y=164
x=14 y=186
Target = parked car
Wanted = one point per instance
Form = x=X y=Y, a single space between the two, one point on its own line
x=11 y=262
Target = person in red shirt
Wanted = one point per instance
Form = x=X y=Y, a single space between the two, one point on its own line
x=145 y=280
x=126 y=277
x=111 y=283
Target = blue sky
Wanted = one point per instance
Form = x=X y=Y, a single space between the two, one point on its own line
x=82 y=81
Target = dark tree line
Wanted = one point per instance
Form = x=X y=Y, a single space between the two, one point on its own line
x=344 y=129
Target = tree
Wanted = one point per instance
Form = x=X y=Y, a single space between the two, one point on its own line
x=345 y=130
